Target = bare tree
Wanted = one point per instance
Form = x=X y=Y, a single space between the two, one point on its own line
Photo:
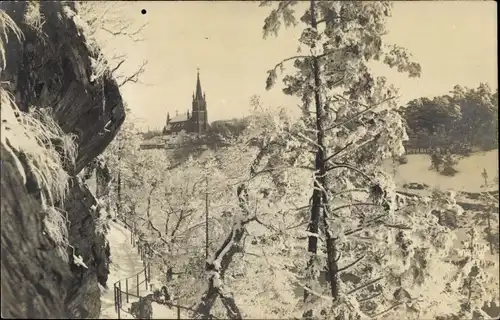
x=108 y=19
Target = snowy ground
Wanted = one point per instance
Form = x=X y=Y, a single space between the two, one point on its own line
x=125 y=262
x=467 y=179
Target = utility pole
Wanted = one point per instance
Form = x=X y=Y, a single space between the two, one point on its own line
x=206 y=219
x=119 y=184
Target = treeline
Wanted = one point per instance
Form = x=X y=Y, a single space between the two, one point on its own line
x=151 y=133
x=217 y=132
x=462 y=121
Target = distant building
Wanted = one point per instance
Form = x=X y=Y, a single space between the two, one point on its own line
x=194 y=122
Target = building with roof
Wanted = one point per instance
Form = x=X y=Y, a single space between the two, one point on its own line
x=190 y=122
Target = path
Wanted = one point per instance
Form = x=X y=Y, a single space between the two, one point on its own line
x=125 y=262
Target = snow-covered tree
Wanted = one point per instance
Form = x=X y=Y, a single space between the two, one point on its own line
x=358 y=223
x=122 y=158
x=488 y=215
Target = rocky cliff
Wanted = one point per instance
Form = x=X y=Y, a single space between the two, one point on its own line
x=47 y=64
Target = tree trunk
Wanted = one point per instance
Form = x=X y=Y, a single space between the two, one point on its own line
x=148 y=209
x=228 y=249
x=206 y=221
x=319 y=165
x=119 y=186
x=319 y=198
x=489 y=231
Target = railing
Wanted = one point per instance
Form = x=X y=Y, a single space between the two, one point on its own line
x=142 y=277
x=119 y=292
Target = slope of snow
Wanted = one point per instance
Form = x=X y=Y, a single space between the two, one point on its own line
x=468 y=177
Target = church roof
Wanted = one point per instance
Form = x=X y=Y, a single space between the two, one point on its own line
x=180 y=118
x=199 y=94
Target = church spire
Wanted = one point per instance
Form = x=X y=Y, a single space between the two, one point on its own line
x=199 y=95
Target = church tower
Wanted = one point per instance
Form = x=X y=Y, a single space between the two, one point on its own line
x=198 y=119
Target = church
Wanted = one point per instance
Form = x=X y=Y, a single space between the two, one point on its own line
x=194 y=122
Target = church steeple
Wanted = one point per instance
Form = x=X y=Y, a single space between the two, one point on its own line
x=199 y=94
x=198 y=117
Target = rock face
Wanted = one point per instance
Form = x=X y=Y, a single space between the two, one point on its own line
x=34 y=278
x=52 y=67
x=91 y=246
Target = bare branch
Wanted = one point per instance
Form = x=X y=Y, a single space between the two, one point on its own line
x=348 y=166
x=338 y=258
x=349 y=191
x=264 y=224
x=184 y=214
x=122 y=31
x=388 y=309
x=401 y=227
x=352 y=205
x=280 y=64
x=134 y=78
x=339 y=151
x=364 y=225
x=365 y=285
x=117 y=66
x=351 y=264
x=297 y=225
x=324 y=54
x=367 y=108
x=304 y=138
x=370 y=297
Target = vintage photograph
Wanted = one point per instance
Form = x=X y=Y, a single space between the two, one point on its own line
x=249 y=160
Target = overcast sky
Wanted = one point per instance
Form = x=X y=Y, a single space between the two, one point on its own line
x=455 y=43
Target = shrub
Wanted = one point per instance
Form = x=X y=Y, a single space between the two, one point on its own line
x=449 y=163
x=436 y=159
x=403 y=160
x=443 y=162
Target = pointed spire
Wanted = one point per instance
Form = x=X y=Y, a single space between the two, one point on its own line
x=199 y=95
x=168 y=117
